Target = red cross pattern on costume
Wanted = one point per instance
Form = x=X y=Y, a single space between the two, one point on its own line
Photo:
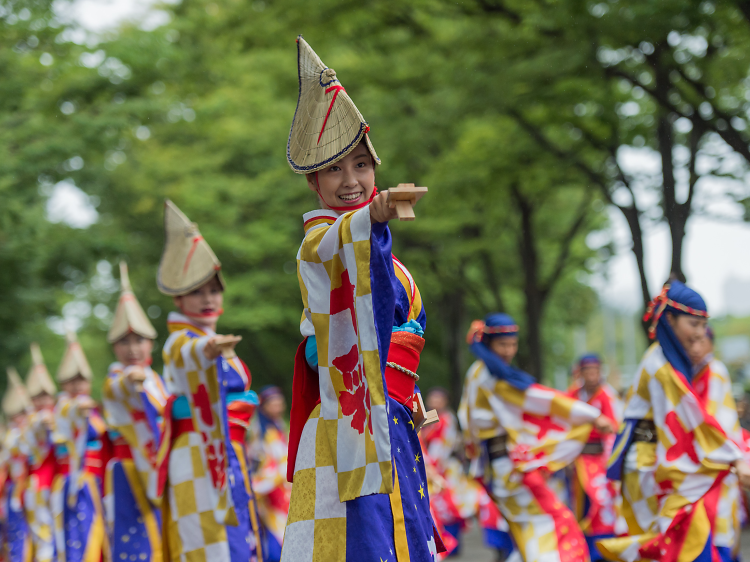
x=684 y=441
x=544 y=423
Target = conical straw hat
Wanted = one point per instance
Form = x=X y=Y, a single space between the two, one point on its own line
x=187 y=262
x=39 y=381
x=74 y=362
x=327 y=125
x=16 y=399
x=129 y=315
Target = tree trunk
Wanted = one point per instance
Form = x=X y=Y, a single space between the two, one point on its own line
x=531 y=338
x=454 y=319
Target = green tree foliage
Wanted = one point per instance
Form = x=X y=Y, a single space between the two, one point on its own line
x=199 y=110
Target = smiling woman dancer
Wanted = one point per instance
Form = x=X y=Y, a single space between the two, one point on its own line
x=134 y=400
x=672 y=454
x=359 y=487
x=211 y=514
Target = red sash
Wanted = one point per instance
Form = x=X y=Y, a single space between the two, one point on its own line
x=305 y=396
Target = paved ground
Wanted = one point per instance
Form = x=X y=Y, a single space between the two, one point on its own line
x=474 y=551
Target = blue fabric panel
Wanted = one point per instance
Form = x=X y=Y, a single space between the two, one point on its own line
x=77 y=522
x=16 y=529
x=129 y=536
x=374 y=512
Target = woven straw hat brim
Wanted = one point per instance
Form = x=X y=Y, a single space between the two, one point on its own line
x=327 y=125
x=16 y=399
x=187 y=262
x=129 y=315
x=39 y=381
x=74 y=363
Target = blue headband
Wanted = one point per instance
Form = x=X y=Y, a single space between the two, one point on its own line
x=677 y=298
x=589 y=359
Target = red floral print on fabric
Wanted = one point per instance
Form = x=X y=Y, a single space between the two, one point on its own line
x=522 y=454
x=215 y=462
x=203 y=402
x=355 y=400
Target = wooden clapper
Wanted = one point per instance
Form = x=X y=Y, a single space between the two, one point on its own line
x=403 y=197
x=420 y=414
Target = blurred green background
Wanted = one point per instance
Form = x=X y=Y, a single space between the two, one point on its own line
x=511 y=112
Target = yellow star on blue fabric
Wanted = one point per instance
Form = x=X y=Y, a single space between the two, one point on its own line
x=411 y=423
x=416 y=457
x=395 y=420
x=415 y=469
x=421 y=492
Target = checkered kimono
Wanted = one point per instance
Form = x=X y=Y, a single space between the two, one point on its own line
x=268 y=451
x=38 y=440
x=359 y=489
x=131 y=483
x=203 y=521
x=76 y=498
x=683 y=479
x=593 y=496
x=546 y=430
x=133 y=415
x=334 y=274
x=16 y=539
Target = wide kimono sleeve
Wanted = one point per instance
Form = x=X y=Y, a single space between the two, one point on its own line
x=195 y=377
x=722 y=406
x=36 y=438
x=338 y=267
x=126 y=411
x=693 y=455
x=71 y=430
x=546 y=428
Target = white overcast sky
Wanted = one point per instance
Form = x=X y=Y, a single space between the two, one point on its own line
x=716 y=252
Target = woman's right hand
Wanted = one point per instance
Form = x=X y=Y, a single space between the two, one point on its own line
x=218 y=344
x=380 y=210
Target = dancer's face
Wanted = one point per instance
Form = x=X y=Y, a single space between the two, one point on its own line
x=77 y=386
x=43 y=401
x=347 y=183
x=204 y=305
x=133 y=349
x=274 y=407
x=699 y=350
x=506 y=347
x=591 y=375
x=690 y=331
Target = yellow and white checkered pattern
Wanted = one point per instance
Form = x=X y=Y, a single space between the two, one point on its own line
x=39 y=519
x=491 y=407
x=191 y=528
x=121 y=404
x=71 y=429
x=659 y=393
x=316 y=525
x=186 y=368
x=332 y=254
x=722 y=406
